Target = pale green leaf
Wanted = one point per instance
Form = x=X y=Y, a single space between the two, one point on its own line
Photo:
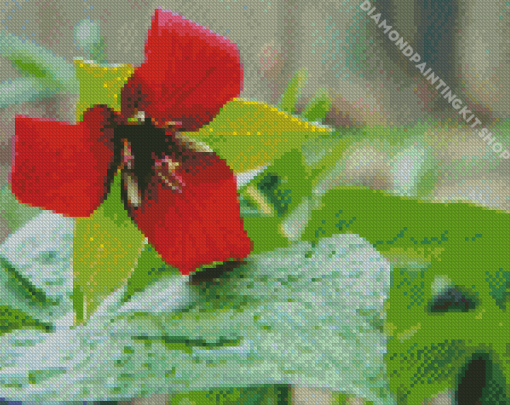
x=174 y=336
x=249 y=134
x=291 y=94
x=35 y=271
x=106 y=249
x=15 y=213
x=21 y=90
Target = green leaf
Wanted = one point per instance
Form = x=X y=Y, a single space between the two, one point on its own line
x=31 y=60
x=12 y=319
x=100 y=84
x=273 y=194
x=318 y=107
x=425 y=240
x=15 y=213
x=281 y=186
x=392 y=223
x=20 y=90
x=291 y=94
x=339 y=398
x=106 y=248
x=108 y=244
x=150 y=267
x=265 y=233
x=263 y=395
x=499 y=284
x=22 y=285
x=249 y=134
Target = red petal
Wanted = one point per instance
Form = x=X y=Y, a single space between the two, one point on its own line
x=202 y=223
x=62 y=167
x=189 y=73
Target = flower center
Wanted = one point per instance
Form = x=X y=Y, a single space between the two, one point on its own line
x=152 y=154
x=149 y=155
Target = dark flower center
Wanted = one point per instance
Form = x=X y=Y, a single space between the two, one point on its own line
x=152 y=155
x=146 y=151
x=146 y=143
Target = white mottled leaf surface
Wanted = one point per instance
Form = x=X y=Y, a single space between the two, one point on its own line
x=302 y=315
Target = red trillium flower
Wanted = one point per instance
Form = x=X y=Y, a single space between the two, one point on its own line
x=181 y=195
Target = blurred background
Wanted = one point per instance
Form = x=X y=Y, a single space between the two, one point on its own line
x=466 y=42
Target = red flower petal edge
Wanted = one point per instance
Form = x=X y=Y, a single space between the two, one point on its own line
x=62 y=167
x=200 y=224
x=189 y=73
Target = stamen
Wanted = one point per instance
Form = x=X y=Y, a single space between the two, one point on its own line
x=193 y=145
x=127 y=155
x=165 y=169
x=140 y=116
x=172 y=165
x=174 y=182
x=133 y=192
x=172 y=123
x=166 y=124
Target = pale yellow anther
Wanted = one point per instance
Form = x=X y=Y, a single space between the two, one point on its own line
x=139 y=115
x=172 y=165
x=166 y=125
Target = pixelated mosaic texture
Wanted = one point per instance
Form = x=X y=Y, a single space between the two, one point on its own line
x=252 y=327
x=497 y=279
